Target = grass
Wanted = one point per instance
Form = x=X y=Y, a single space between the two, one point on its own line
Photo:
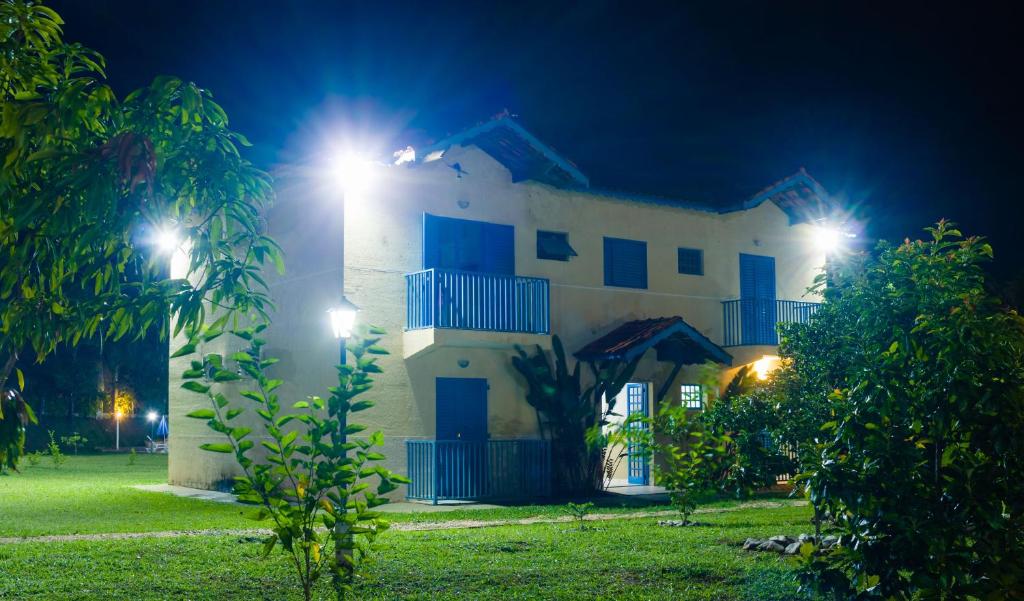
x=93 y=493
x=614 y=559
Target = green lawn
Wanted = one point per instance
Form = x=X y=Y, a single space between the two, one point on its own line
x=614 y=559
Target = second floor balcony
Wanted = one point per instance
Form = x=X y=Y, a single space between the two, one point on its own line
x=754 y=321
x=466 y=300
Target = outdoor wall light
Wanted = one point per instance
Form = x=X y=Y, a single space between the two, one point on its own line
x=343 y=318
x=766 y=365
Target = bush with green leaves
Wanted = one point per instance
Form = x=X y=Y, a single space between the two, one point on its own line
x=311 y=479
x=921 y=466
x=748 y=413
x=75 y=440
x=53 y=447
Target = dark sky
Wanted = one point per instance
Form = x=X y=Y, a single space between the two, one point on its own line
x=910 y=115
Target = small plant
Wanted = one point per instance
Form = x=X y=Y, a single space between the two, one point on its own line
x=579 y=512
x=74 y=441
x=313 y=482
x=56 y=456
x=132 y=456
x=34 y=458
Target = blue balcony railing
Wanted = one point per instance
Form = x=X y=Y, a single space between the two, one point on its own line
x=466 y=300
x=755 y=320
x=458 y=470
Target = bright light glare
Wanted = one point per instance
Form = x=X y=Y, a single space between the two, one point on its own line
x=351 y=172
x=828 y=239
x=167 y=240
x=765 y=365
x=118 y=414
x=151 y=416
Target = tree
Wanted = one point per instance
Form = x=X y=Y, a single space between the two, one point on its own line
x=569 y=413
x=921 y=463
x=88 y=180
x=310 y=472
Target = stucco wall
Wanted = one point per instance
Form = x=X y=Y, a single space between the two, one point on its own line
x=383 y=242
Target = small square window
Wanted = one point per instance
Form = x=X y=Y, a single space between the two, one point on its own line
x=691 y=261
x=554 y=246
x=625 y=263
x=692 y=396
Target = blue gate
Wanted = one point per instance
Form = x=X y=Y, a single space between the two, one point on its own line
x=636 y=404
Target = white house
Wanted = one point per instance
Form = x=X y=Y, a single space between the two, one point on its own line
x=491 y=239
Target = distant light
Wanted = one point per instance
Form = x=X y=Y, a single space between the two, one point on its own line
x=168 y=240
x=766 y=365
x=118 y=415
x=343 y=318
x=351 y=172
x=151 y=416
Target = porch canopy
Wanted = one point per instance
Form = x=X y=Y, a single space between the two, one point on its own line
x=675 y=341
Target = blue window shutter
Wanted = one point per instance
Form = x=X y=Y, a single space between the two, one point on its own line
x=500 y=254
x=757 y=276
x=691 y=261
x=625 y=263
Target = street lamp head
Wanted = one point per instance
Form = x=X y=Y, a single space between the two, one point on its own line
x=167 y=240
x=351 y=172
x=151 y=416
x=828 y=239
x=118 y=414
x=343 y=318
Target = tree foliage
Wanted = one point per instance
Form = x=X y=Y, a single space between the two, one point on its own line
x=88 y=179
x=567 y=411
x=921 y=462
x=308 y=473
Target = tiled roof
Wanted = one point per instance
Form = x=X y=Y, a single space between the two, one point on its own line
x=634 y=338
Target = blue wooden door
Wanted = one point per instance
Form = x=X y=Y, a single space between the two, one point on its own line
x=462 y=409
x=757 y=299
x=461 y=455
x=636 y=404
x=465 y=245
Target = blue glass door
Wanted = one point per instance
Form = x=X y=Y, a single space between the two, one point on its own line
x=636 y=404
x=757 y=299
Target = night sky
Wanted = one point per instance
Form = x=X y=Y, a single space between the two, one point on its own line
x=910 y=116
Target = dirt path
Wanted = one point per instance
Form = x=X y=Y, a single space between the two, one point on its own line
x=399 y=526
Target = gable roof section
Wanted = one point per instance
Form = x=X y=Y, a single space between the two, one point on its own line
x=634 y=338
x=800 y=196
x=525 y=156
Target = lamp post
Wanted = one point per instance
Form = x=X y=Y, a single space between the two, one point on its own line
x=117 y=430
x=151 y=418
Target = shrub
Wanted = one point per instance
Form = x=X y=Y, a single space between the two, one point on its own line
x=56 y=456
x=74 y=441
x=313 y=481
x=921 y=465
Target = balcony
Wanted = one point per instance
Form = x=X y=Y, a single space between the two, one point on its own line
x=755 y=321
x=462 y=470
x=465 y=300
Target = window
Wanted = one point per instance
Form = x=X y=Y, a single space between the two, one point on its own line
x=692 y=396
x=464 y=245
x=691 y=261
x=554 y=246
x=625 y=263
